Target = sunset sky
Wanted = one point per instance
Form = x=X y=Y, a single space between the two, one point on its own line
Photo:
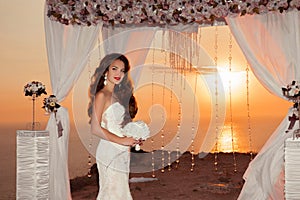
x=23 y=59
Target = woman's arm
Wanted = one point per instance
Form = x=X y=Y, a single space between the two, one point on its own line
x=98 y=109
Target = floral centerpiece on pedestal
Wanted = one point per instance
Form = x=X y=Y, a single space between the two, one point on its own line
x=292 y=93
x=138 y=130
x=34 y=89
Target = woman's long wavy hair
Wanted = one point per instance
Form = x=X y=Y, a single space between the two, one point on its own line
x=123 y=92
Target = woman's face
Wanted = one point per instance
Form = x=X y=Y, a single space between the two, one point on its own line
x=116 y=72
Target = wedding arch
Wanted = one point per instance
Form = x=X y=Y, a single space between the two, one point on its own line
x=72 y=28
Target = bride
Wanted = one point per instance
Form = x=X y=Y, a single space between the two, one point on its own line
x=112 y=106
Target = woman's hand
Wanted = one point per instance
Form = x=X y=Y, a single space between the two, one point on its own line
x=140 y=141
x=129 y=141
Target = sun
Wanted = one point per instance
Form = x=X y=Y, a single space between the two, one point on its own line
x=234 y=80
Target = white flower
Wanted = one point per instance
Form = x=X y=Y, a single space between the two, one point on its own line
x=137 y=130
x=50 y=104
x=292 y=91
x=35 y=88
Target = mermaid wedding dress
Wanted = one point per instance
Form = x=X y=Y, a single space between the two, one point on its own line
x=113 y=159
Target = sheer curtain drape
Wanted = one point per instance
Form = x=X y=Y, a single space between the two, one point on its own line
x=132 y=41
x=68 y=48
x=271 y=44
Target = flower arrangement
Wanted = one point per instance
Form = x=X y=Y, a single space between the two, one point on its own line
x=137 y=130
x=292 y=91
x=159 y=12
x=34 y=88
x=50 y=104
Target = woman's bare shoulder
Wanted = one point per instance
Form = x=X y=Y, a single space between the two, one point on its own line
x=100 y=96
x=103 y=97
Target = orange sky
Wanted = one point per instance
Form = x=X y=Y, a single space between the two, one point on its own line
x=23 y=58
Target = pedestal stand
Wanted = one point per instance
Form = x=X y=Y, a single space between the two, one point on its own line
x=32 y=165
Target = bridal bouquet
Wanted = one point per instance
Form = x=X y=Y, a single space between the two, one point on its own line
x=34 y=88
x=137 y=130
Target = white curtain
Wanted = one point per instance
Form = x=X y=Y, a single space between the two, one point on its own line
x=68 y=48
x=132 y=41
x=271 y=44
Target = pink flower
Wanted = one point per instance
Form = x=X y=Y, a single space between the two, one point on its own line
x=220 y=11
x=87 y=12
x=295 y=3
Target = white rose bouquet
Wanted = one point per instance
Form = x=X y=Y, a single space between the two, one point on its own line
x=137 y=130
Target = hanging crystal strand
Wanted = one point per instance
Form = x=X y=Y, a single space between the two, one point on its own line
x=162 y=131
x=162 y=151
x=192 y=41
x=193 y=125
x=176 y=50
x=197 y=48
x=163 y=41
x=177 y=58
x=248 y=113
x=163 y=103
x=230 y=103
x=89 y=174
x=173 y=62
x=191 y=49
x=99 y=50
x=152 y=158
x=195 y=52
x=178 y=125
x=187 y=60
x=152 y=102
x=90 y=79
x=171 y=45
x=216 y=101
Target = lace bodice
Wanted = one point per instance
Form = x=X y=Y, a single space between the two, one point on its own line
x=108 y=153
x=113 y=117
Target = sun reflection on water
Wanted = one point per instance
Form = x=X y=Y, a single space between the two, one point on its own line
x=225 y=142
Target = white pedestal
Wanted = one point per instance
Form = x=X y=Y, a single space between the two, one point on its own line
x=292 y=169
x=32 y=165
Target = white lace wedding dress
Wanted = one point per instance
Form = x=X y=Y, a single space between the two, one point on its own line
x=264 y=177
x=113 y=159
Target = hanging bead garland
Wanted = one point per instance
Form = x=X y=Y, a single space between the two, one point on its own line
x=163 y=103
x=193 y=125
x=178 y=128
x=248 y=113
x=152 y=102
x=89 y=174
x=195 y=49
x=216 y=101
x=230 y=103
